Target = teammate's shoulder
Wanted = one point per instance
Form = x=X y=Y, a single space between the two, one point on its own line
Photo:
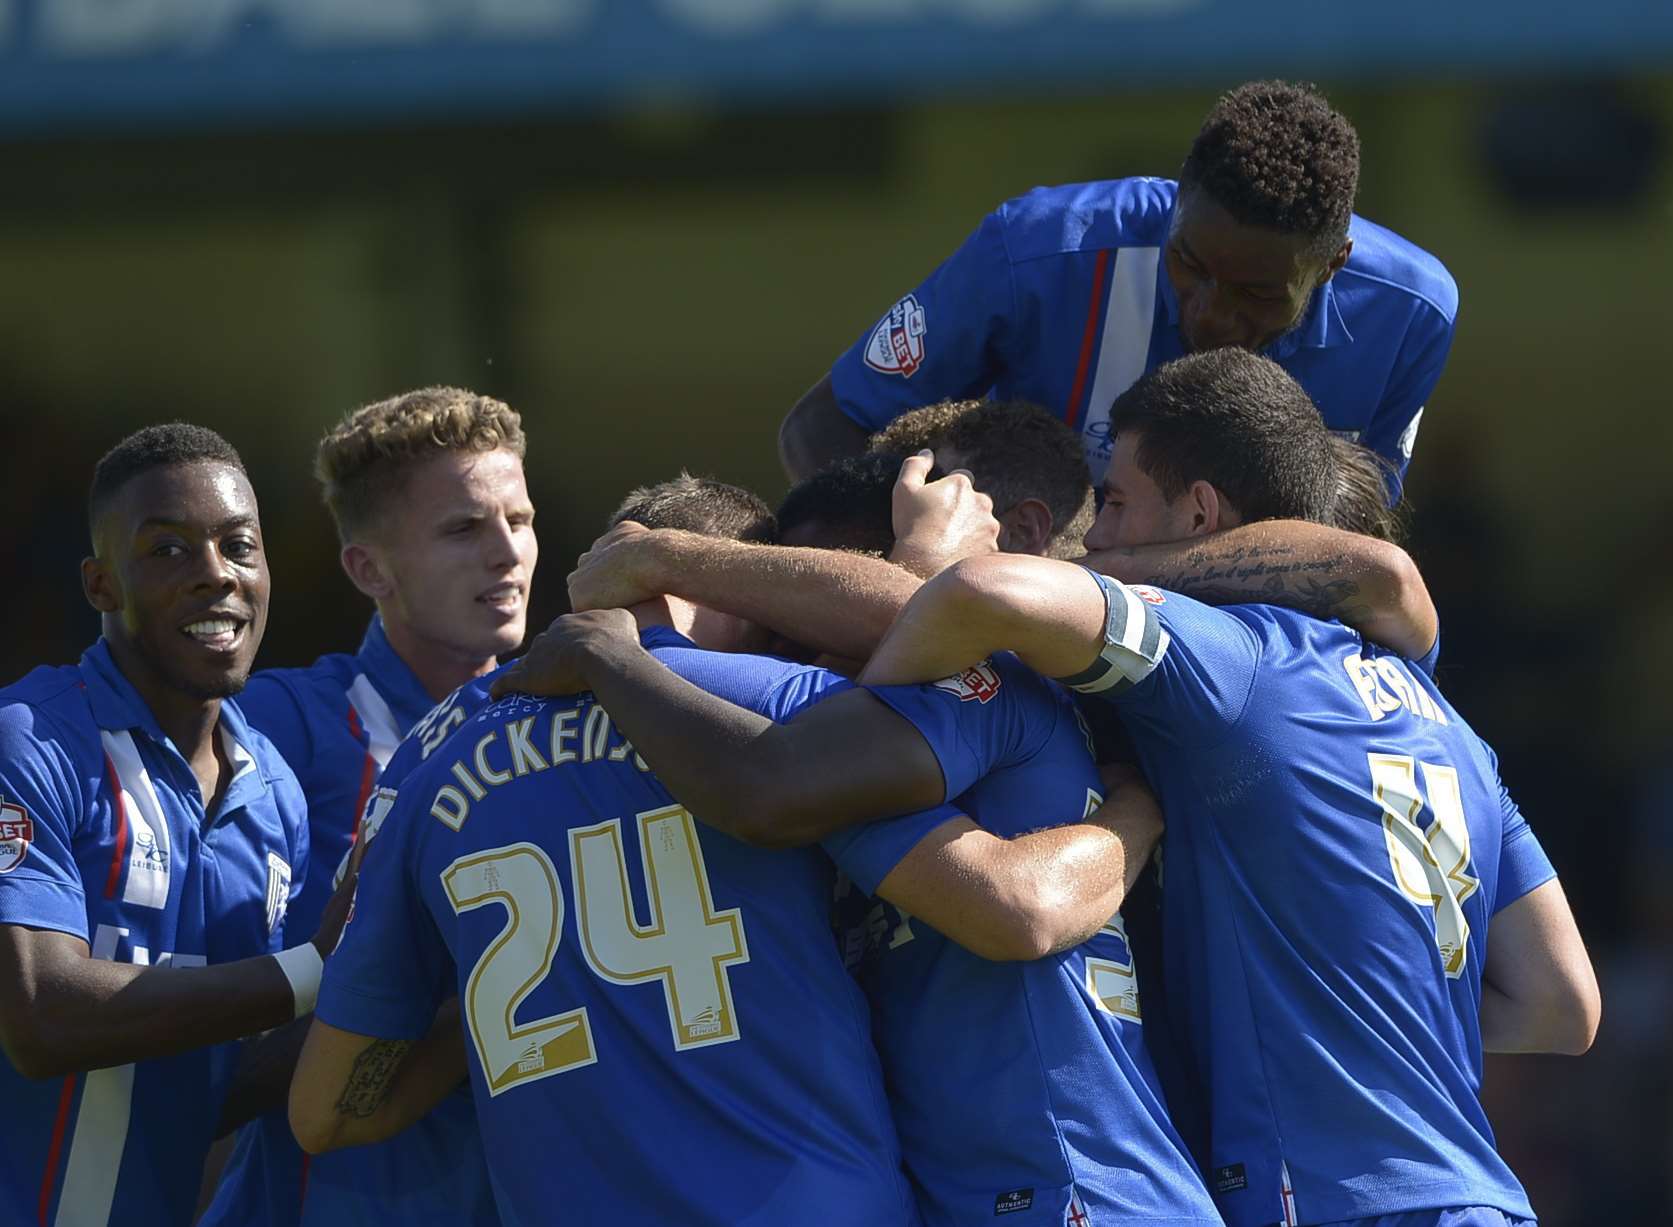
x=1382 y=257
x=327 y=679
x=1079 y=217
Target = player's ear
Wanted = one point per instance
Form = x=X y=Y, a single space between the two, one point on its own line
x=1337 y=261
x=99 y=586
x=366 y=571
x=1025 y=528
x=1206 y=507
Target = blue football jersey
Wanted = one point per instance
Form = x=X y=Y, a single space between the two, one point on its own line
x=713 y=1056
x=1062 y=297
x=1338 y=840
x=1020 y=1089
x=338 y=722
x=103 y=835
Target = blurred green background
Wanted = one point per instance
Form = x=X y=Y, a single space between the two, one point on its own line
x=653 y=284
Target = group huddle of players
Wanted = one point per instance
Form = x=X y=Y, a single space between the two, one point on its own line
x=1048 y=815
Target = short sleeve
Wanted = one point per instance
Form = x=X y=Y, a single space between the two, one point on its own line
x=391 y=969
x=945 y=340
x=1392 y=431
x=1181 y=668
x=40 y=811
x=1523 y=865
x=976 y=721
x=868 y=853
x=1431 y=658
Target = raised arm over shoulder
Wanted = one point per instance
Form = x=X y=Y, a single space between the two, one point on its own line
x=1368 y=584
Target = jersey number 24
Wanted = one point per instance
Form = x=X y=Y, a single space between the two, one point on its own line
x=687 y=946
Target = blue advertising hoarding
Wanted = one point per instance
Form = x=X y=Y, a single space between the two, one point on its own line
x=103 y=64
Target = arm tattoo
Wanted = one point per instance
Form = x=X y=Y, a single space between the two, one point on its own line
x=1267 y=574
x=368 y=1084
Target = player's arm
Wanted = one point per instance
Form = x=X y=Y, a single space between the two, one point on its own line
x=1050 y=613
x=1036 y=894
x=351 y=1090
x=64 y=1011
x=845 y=760
x=816 y=431
x=834 y=601
x=1370 y=585
x=1538 y=990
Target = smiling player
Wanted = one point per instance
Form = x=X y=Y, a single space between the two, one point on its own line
x=1066 y=295
x=150 y=844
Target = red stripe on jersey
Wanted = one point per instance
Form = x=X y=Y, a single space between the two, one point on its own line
x=120 y=853
x=368 y=777
x=302 y=1196
x=59 y=1128
x=1072 y=411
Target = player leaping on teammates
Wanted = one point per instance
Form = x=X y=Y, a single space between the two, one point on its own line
x=427 y=492
x=150 y=844
x=1064 y=296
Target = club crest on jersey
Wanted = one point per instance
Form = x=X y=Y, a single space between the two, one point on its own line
x=897 y=343
x=979 y=682
x=1147 y=594
x=17 y=832
x=278 y=891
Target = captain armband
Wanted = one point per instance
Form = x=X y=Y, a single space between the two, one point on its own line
x=1134 y=642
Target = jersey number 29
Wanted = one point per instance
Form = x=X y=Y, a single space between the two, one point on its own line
x=687 y=945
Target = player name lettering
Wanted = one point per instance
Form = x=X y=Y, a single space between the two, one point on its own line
x=517 y=748
x=1385 y=686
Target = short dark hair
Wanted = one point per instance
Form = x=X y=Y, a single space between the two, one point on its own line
x=154 y=447
x=1014 y=450
x=700 y=505
x=1278 y=155
x=1239 y=422
x=1364 y=482
x=373 y=450
x=853 y=496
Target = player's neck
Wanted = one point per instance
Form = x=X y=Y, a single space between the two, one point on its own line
x=439 y=669
x=188 y=721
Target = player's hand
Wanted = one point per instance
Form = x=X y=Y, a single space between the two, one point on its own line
x=613 y=573
x=338 y=909
x=939 y=522
x=558 y=660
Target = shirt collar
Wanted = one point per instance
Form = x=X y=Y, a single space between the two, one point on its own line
x=249 y=778
x=116 y=704
x=408 y=701
x=1321 y=325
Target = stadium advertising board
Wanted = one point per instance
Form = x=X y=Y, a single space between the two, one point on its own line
x=104 y=63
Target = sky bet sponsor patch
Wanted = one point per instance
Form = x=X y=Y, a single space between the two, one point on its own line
x=979 y=682
x=17 y=832
x=896 y=346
